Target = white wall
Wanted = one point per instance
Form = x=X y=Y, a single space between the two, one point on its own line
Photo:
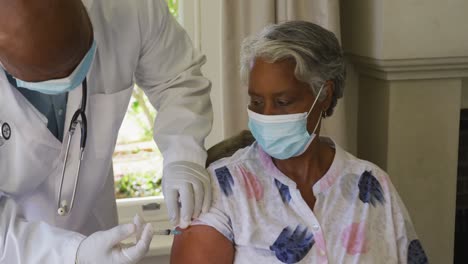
x=402 y=29
x=424 y=28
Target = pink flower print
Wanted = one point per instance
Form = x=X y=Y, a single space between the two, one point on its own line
x=265 y=159
x=384 y=182
x=354 y=239
x=253 y=187
x=326 y=182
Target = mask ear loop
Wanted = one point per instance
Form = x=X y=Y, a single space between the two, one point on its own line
x=310 y=110
x=316 y=99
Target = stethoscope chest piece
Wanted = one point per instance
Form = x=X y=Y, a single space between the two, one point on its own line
x=5 y=132
x=63 y=209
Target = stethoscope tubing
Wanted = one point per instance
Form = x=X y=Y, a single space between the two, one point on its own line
x=62 y=207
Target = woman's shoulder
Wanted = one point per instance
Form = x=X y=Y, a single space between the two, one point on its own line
x=232 y=174
x=369 y=176
x=346 y=163
x=243 y=155
x=361 y=165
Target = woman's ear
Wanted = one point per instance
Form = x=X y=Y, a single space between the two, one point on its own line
x=329 y=89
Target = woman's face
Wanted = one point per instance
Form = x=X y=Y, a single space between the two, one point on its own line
x=274 y=90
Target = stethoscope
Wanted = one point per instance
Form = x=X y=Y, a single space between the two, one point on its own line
x=62 y=205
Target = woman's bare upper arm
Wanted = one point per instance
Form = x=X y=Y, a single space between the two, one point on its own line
x=201 y=244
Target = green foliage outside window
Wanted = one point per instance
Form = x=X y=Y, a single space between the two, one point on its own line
x=138 y=184
x=174 y=7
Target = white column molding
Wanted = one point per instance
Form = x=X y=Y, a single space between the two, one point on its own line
x=411 y=69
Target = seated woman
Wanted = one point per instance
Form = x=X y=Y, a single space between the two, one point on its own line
x=293 y=196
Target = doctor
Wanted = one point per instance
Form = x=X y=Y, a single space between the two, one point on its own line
x=66 y=77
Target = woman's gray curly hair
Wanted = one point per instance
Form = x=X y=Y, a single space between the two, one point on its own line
x=315 y=51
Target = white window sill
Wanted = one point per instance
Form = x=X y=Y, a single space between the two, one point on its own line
x=160 y=246
x=128 y=208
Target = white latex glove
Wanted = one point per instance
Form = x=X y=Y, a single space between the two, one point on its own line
x=104 y=247
x=140 y=224
x=190 y=183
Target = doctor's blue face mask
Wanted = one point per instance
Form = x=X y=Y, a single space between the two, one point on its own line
x=283 y=136
x=63 y=85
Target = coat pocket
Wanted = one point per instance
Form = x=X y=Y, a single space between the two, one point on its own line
x=106 y=112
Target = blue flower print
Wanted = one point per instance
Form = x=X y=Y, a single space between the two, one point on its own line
x=370 y=190
x=284 y=191
x=291 y=247
x=416 y=253
x=225 y=180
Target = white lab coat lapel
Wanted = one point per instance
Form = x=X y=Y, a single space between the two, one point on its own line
x=32 y=153
x=37 y=176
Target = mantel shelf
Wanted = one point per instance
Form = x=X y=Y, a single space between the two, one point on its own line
x=411 y=69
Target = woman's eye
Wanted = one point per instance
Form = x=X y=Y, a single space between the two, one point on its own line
x=254 y=102
x=283 y=102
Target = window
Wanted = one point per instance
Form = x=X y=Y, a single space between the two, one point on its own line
x=137 y=161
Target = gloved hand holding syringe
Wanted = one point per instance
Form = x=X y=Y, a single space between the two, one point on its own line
x=140 y=222
x=109 y=246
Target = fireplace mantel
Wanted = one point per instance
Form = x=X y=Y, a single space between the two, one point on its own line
x=411 y=69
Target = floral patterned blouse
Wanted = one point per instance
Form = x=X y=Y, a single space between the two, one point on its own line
x=358 y=216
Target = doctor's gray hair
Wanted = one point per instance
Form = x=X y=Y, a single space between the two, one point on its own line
x=315 y=51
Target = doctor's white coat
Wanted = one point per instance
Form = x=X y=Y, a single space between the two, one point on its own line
x=137 y=42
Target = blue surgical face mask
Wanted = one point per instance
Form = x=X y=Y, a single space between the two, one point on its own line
x=283 y=136
x=59 y=86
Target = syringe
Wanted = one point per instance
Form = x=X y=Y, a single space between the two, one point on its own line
x=166 y=232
